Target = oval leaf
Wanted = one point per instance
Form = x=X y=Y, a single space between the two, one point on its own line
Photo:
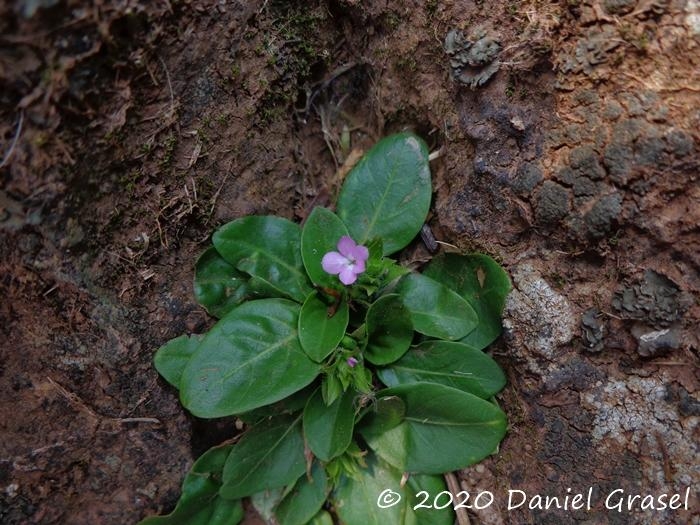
x=328 y=428
x=250 y=358
x=268 y=248
x=467 y=429
x=357 y=500
x=389 y=330
x=172 y=358
x=319 y=334
x=436 y=310
x=387 y=194
x=450 y=364
x=483 y=283
x=268 y=456
x=308 y=496
x=322 y=231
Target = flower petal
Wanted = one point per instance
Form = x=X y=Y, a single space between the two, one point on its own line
x=334 y=263
x=358 y=266
x=348 y=276
x=360 y=253
x=346 y=246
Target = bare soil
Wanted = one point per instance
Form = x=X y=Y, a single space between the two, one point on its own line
x=130 y=130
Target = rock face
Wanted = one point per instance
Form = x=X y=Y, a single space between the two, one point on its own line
x=569 y=150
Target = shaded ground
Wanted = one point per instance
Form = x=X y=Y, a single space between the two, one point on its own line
x=129 y=132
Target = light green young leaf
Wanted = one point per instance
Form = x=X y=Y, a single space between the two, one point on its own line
x=464 y=429
x=387 y=194
x=322 y=518
x=172 y=358
x=451 y=364
x=319 y=334
x=436 y=310
x=483 y=283
x=268 y=456
x=328 y=429
x=250 y=358
x=268 y=248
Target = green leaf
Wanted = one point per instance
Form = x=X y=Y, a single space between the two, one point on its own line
x=387 y=194
x=389 y=330
x=436 y=310
x=172 y=358
x=331 y=388
x=483 y=283
x=218 y=286
x=328 y=429
x=250 y=358
x=199 y=503
x=268 y=248
x=383 y=415
x=305 y=500
x=451 y=364
x=319 y=334
x=288 y=406
x=444 y=429
x=322 y=518
x=357 y=500
x=321 y=233
x=268 y=456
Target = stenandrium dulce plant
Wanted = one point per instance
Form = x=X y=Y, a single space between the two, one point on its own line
x=358 y=380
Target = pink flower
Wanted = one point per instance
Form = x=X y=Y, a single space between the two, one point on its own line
x=352 y=362
x=348 y=262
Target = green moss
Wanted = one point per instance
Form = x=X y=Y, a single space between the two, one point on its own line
x=168 y=146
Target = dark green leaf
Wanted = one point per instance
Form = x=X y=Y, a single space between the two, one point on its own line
x=483 y=283
x=305 y=500
x=328 y=429
x=320 y=334
x=288 y=406
x=218 y=286
x=444 y=429
x=250 y=358
x=383 y=415
x=389 y=330
x=387 y=194
x=268 y=456
x=268 y=248
x=436 y=310
x=365 y=500
x=450 y=364
x=321 y=233
x=172 y=358
x=199 y=503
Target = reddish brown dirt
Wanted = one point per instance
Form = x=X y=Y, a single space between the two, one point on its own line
x=129 y=132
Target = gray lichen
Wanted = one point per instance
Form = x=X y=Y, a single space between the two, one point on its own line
x=593 y=328
x=473 y=59
x=656 y=299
